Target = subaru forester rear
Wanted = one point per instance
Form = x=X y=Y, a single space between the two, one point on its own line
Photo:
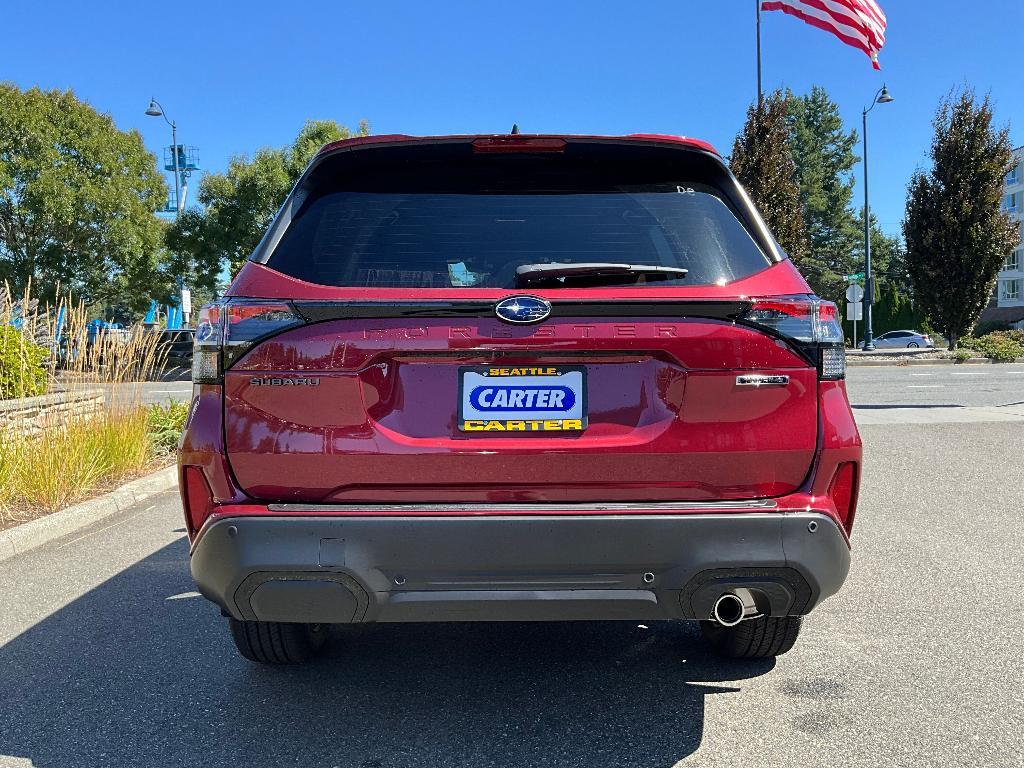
x=518 y=378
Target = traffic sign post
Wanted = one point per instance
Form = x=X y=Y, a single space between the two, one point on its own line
x=854 y=312
x=855 y=307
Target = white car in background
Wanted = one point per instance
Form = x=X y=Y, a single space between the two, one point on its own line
x=901 y=340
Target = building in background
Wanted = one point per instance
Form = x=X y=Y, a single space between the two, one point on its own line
x=1007 y=305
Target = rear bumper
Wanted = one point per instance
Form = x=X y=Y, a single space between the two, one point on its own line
x=331 y=569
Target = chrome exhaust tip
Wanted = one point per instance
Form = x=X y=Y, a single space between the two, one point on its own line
x=733 y=607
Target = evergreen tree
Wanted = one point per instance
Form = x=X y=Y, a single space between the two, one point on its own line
x=823 y=153
x=762 y=161
x=957 y=235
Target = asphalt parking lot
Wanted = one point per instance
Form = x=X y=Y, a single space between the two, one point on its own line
x=109 y=659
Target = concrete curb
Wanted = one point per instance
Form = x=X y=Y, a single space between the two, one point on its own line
x=43 y=530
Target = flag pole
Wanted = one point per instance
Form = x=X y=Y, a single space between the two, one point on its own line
x=759 y=92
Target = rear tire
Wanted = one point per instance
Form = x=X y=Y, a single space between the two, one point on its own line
x=761 y=638
x=913 y=345
x=274 y=642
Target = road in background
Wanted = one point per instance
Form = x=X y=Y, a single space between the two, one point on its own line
x=164 y=391
x=109 y=658
x=955 y=385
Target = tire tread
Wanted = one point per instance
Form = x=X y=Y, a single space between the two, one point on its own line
x=272 y=642
x=759 y=638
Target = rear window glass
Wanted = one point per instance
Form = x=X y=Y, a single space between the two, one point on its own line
x=426 y=239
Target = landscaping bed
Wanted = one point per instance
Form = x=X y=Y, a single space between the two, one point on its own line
x=83 y=457
x=72 y=421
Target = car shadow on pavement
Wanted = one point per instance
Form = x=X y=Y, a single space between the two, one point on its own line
x=138 y=672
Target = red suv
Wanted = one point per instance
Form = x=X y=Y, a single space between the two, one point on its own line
x=518 y=378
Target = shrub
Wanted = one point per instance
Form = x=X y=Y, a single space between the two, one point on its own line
x=166 y=423
x=1000 y=346
x=963 y=355
x=22 y=365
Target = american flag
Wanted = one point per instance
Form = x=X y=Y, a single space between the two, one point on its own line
x=860 y=23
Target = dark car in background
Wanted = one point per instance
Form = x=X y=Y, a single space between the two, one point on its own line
x=518 y=378
x=177 y=343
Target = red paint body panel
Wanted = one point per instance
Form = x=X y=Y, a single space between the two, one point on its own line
x=667 y=419
x=402 y=138
x=202 y=444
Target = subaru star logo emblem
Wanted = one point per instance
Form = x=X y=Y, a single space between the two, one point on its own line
x=522 y=309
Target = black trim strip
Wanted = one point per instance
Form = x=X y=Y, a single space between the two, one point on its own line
x=315 y=312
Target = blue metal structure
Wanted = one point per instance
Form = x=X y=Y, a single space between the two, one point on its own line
x=171 y=315
x=180 y=161
x=187 y=161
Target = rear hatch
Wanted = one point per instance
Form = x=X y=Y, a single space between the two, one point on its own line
x=444 y=323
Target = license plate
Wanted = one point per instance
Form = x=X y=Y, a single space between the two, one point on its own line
x=523 y=398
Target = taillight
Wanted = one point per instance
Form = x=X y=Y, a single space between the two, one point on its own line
x=842 y=491
x=809 y=325
x=206 y=346
x=228 y=329
x=198 y=498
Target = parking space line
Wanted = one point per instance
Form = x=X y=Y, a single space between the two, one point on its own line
x=922 y=374
x=924 y=386
x=101 y=530
x=969 y=373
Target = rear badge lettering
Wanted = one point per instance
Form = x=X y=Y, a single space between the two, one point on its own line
x=757 y=380
x=274 y=381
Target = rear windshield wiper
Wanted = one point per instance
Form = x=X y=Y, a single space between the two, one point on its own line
x=603 y=272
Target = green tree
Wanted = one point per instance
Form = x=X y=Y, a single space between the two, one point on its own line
x=888 y=256
x=956 y=233
x=77 y=203
x=240 y=203
x=823 y=154
x=762 y=162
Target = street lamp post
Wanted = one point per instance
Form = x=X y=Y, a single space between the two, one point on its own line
x=882 y=97
x=156 y=110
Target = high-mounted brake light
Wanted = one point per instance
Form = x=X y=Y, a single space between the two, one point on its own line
x=810 y=325
x=228 y=329
x=505 y=144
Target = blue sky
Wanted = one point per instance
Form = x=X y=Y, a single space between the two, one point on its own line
x=238 y=77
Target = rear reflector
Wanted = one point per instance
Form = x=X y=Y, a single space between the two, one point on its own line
x=842 y=491
x=197 y=497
